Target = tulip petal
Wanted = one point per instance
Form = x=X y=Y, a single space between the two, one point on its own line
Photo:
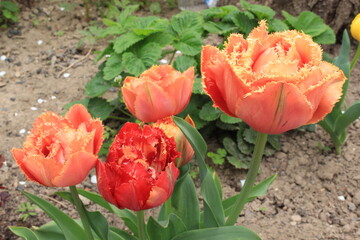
x=128 y=93
x=276 y=108
x=153 y=103
x=103 y=176
x=78 y=114
x=75 y=169
x=220 y=80
x=19 y=156
x=97 y=126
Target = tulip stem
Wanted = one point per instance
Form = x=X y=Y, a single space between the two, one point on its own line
x=81 y=210
x=260 y=143
x=356 y=57
x=141 y=225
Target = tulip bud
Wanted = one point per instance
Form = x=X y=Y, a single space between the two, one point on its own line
x=182 y=144
x=355 y=27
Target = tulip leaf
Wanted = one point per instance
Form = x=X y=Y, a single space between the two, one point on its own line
x=25 y=233
x=258 y=190
x=68 y=226
x=113 y=67
x=100 y=108
x=99 y=224
x=119 y=234
x=184 y=200
x=349 y=116
x=228 y=233
x=127 y=216
x=97 y=86
x=189 y=43
x=182 y=63
x=165 y=230
x=125 y=41
x=261 y=11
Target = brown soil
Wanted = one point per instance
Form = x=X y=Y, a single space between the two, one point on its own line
x=316 y=194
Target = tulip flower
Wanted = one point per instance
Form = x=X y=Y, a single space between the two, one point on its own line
x=355 y=28
x=273 y=82
x=159 y=92
x=182 y=144
x=60 y=151
x=139 y=172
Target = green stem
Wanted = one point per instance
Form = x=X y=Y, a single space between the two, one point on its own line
x=141 y=225
x=118 y=118
x=81 y=210
x=356 y=57
x=250 y=178
x=172 y=57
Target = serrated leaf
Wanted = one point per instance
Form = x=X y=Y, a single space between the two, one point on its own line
x=189 y=43
x=187 y=21
x=310 y=23
x=150 y=24
x=244 y=147
x=218 y=12
x=276 y=25
x=97 y=86
x=269 y=150
x=261 y=11
x=327 y=37
x=245 y=23
x=230 y=146
x=209 y=113
x=249 y=135
x=274 y=141
x=100 y=108
x=238 y=162
x=113 y=66
x=289 y=18
x=125 y=41
x=182 y=63
x=163 y=39
x=198 y=87
x=220 y=28
x=227 y=119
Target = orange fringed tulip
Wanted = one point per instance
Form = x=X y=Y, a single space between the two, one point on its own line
x=60 y=151
x=355 y=28
x=182 y=144
x=139 y=172
x=159 y=92
x=273 y=82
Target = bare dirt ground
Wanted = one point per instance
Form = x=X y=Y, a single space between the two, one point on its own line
x=316 y=194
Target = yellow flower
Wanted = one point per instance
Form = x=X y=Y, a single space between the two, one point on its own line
x=355 y=27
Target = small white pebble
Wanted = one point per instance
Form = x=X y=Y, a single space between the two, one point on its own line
x=342 y=111
x=178 y=52
x=22 y=182
x=242 y=182
x=53 y=97
x=3 y=58
x=40 y=101
x=22 y=132
x=33 y=108
x=39 y=42
x=107 y=55
x=66 y=75
x=93 y=179
x=2 y=73
x=62 y=9
x=164 y=61
x=341 y=198
x=15 y=114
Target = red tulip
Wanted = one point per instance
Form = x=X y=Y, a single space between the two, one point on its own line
x=60 y=151
x=139 y=172
x=273 y=82
x=182 y=144
x=159 y=92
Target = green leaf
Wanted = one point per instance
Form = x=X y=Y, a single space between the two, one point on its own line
x=125 y=41
x=209 y=113
x=165 y=230
x=184 y=200
x=218 y=12
x=187 y=21
x=100 y=108
x=155 y=8
x=97 y=86
x=133 y=64
x=327 y=37
x=250 y=135
x=150 y=24
x=84 y=102
x=10 y=6
x=242 y=145
x=189 y=43
x=220 y=28
x=227 y=119
x=113 y=66
x=276 y=25
x=68 y=226
x=163 y=39
x=261 y=11
x=50 y=231
x=182 y=63
x=120 y=234
x=106 y=51
x=343 y=60
x=230 y=146
x=226 y=233
x=310 y=23
x=198 y=88
x=289 y=18
x=245 y=22
x=349 y=116
x=274 y=141
x=239 y=162
x=99 y=224
x=24 y=232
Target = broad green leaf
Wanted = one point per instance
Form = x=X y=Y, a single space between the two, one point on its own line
x=185 y=203
x=227 y=119
x=163 y=39
x=276 y=25
x=218 y=12
x=226 y=233
x=133 y=64
x=289 y=18
x=100 y=108
x=165 y=230
x=120 y=234
x=150 y=24
x=125 y=41
x=97 y=86
x=10 y=6
x=250 y=135
x=187 y=21
x=230 y=146
x=195 y=105
x=50 y=231
x=197 y=87
x=209 y=113
x=349 y=116
x=343 y=60
x=261 y=11
x=274 y=141
x=327 y=37
x=182 y=63
x=106 y=51
x=310 y=23
x=239 y=162
x=220 y=28
x=257 y=191
x=113 y=66
x=244 y=22
x=189 y=43
x=25 y=233
x=68 y=226
x=244 y=147
x=99 y=224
